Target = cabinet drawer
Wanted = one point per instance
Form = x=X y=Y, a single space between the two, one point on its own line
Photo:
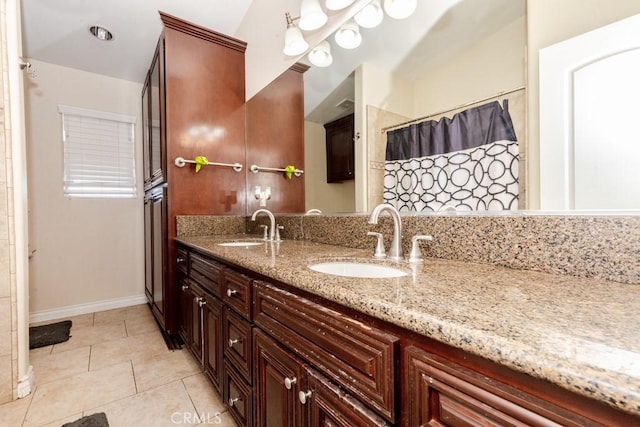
x=238 y=396
x=207 y=273
x=182 y=260
x=237 y=342
x=237 y=292
x=357 y=356
x=440 y=392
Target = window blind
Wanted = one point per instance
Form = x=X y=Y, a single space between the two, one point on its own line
x=99 y=159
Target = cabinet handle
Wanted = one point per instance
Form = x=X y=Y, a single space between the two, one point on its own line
x=303 y=396
x=201 y=303
x=185 y=287
x=179 y=260
x=289 y=382
x=233 y=400
x=235 y=341
x=231 y=292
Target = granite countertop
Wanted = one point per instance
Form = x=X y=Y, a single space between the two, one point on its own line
x=581 y=334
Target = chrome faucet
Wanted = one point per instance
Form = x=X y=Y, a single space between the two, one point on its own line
x=272 y=219
x=395 y=251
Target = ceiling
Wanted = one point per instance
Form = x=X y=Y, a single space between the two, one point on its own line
x=56 y=31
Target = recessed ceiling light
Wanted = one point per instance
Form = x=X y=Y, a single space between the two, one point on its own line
x=101 y=33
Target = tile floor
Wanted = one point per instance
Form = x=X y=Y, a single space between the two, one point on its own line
x=117 y=362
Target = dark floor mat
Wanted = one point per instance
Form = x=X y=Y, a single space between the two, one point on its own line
x=54 y=333
x=94 y=420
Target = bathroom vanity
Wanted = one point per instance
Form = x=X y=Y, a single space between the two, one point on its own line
x=450 y=343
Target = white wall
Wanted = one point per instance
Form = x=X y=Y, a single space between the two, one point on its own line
x=88 y=251
x=335 y=197
x=494 y=64
x=549 y=22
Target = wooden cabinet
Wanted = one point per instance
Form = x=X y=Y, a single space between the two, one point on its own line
x=278 y=377
x=290 y=393
x=193 y=105
x=339 y=136
x=443 y=393
x=212 y=340
x=294 y=359
x=155 y=226
x=358 y=357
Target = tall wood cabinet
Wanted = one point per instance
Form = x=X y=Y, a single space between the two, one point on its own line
x=193 y=104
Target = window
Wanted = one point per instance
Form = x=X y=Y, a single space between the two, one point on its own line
x=99 y=157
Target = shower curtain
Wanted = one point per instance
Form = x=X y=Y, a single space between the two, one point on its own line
x=467 y=162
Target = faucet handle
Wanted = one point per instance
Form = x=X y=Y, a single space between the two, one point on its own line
x=380 y=253
x=265 y=234
x=416 y=255
x=277 y=237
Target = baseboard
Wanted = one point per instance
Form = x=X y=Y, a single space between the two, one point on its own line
x=75 y=310
x=26 y=384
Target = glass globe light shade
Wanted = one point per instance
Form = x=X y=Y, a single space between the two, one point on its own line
x=337 y=4
x=320 y=56
x=312 y=16
x=400 y=9
x=371 y=15
x=348 y=36
x=294 y=42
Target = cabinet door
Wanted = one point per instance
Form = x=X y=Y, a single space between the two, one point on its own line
x=213 y=344
x=159 y=253
x=184 y=320
x=157 y=146
x=328 y=405
x=278 y=375
x=340 y=150
x=197 y=308
x=146 y=148
x=148 y=248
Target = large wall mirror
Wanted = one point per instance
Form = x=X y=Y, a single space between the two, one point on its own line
x=463 y=51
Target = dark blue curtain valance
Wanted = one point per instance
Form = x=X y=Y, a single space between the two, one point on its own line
x=468 y=129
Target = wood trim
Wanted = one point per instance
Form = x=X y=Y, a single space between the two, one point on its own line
x=299 y=67
x=178 y=24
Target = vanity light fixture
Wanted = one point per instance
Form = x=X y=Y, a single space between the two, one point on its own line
x=294 y=42
x=312 y=16
x=400 y=9
x=348 y=36
x=320 y=56
x=337 y=4
x=371 y=15
x=101 y=33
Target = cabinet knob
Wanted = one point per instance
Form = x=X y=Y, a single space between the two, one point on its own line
x=231 y=292
x=303 y=396
x=235 y=341
x=233 y=400
x=289 y=382
x=185 y=287
x=180 y=260
x=201 y=302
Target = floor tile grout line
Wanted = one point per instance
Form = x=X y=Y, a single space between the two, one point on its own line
x=24 y=418
x=133 y=373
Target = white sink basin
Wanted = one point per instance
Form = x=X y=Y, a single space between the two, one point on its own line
x=241 y=244
x=357 y=269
